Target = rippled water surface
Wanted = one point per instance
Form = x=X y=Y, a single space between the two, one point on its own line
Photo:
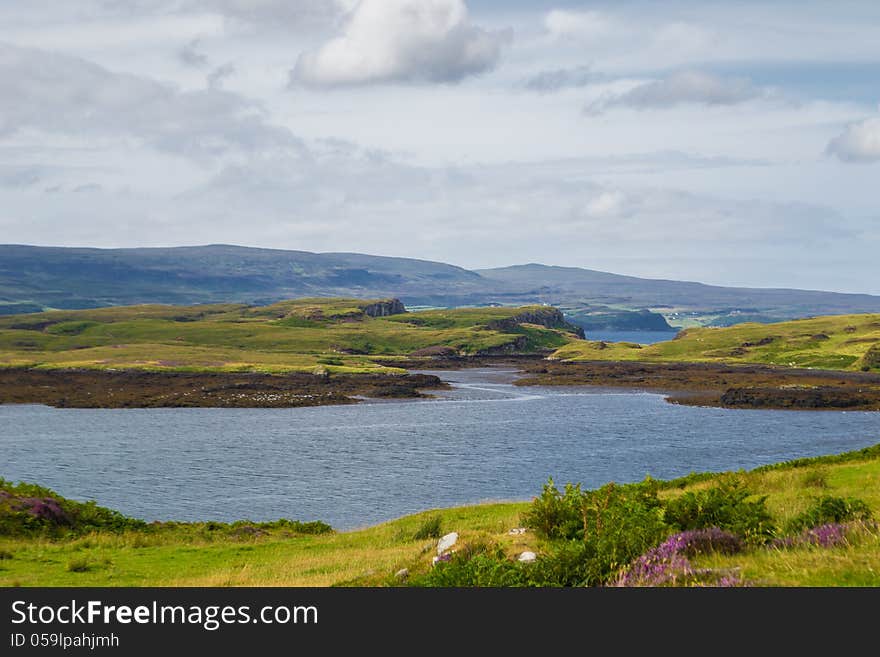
x=360 y=464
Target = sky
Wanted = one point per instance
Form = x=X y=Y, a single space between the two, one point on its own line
x=728 y=143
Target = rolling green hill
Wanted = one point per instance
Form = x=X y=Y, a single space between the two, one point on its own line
x=324 y=334
x=839 y=342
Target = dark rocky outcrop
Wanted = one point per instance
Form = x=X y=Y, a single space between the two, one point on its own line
x=517 y=345
x=548 y=317
x=800 y=398
x=439 y=351
x=717 y=384
x=385 y=308
x=762 y=342
x=871 y=359
x=620 y=320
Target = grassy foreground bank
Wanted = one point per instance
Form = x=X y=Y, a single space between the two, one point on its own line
x=809 y=522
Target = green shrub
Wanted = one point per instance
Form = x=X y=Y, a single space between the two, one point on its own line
x=829 y=509
x=79 y=565
x=88 y=516
x=70 y=328
x=27 y=509
x=621 y=522
x=815 y=479
x=569 y=563
x=725 y=506
x=593 y=533
x=293 y=526
x=557 y=515
x=481 y=565
x=430 y=528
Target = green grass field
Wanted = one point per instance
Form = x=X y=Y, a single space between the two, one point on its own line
x=244 y=554
x=335 y=335
x=837 y=342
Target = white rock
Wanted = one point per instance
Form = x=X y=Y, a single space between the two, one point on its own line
x=403 y=573
x=517 y=530
x=527 y=557
x=447 y=542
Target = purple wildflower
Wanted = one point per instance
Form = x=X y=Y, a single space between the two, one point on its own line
x=730 y=581
x=668 y=564
x=826 y=536
x=44 y=508
x=659 y=566
x=703 y=541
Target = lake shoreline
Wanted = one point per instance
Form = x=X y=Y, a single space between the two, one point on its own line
x=84 y=388
x=689 y=384
x=719 y=385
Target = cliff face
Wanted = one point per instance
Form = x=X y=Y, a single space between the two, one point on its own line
x=871 y=359
x=621 y=320
x=385 y=308
x=548 y=317
x=518 y=345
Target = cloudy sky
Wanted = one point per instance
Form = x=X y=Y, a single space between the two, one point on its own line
x=731 y=143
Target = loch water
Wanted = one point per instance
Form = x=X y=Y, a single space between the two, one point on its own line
x=356 y=465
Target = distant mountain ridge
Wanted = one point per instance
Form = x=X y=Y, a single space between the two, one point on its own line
x=34 y=278
x=729 y=304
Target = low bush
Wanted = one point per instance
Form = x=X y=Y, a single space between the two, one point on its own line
x=827 y=510
x=292 y=526
x=725 y=506
x=79 y=565
x=572 y=563
x=557 y=515
x=27 y=509
x=621 y=522
x=430 y=528
x=480 y=564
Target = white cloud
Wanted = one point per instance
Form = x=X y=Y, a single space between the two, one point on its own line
x=562 y=78
x=605 y=205
x=282 y=13
x=580 y=25
x=158 y=158
x=342 y=198
x=402 y=41
x=684 y=37
x=190 y=56
x=859 y=142
x=217 y=77
x=62 y=95
x=686 y=87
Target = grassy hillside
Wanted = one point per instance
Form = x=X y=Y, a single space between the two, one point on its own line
x=333 y=335
x=844 y=342
x=47 y=540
